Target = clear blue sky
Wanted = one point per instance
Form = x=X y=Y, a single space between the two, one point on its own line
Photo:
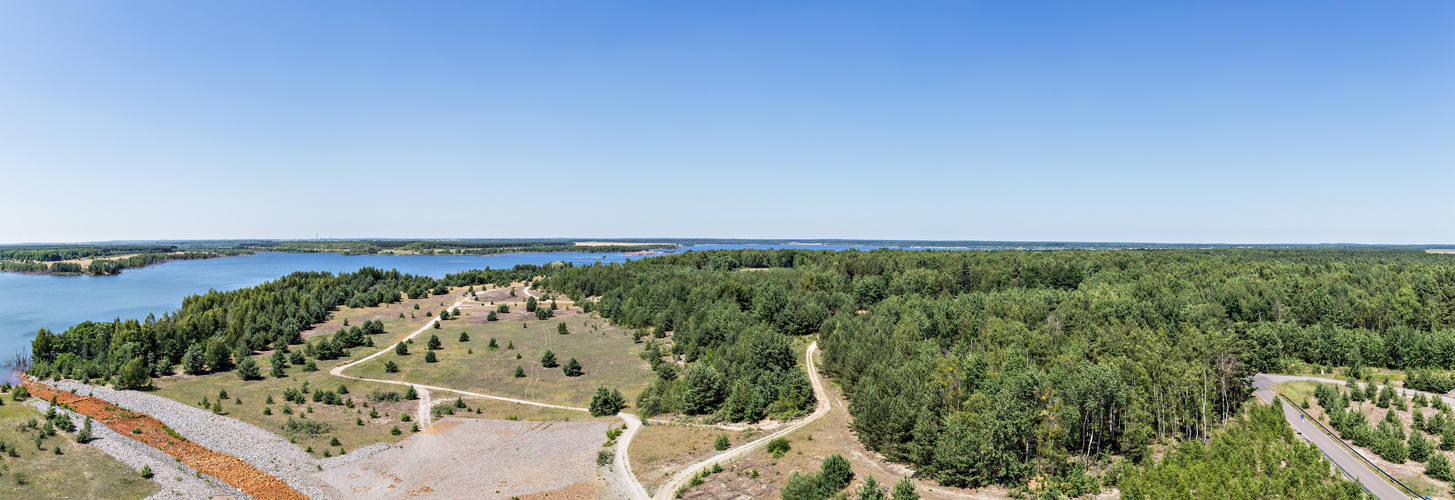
x=1184 y=121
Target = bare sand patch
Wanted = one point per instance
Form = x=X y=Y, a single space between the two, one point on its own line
x=470 y=458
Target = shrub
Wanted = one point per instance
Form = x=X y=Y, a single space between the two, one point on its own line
x=519 y=372
x=146 y=471
x=778 y=447
x=305 y=427
x=310 y=366
x=721 y=443
x=391 y=367
x=561 y=328
x=134 y=375
x=464 y=336
x=395 y=431
x=604 y=457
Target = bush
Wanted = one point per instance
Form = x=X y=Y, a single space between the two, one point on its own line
x=561 y=328
x=310 y=366
x=604 y=457
x=134 y=375
x=391 y=367
x=778 y=447
x=146 y=471
x=305 y=427
x=721 y=443
x=464 y=336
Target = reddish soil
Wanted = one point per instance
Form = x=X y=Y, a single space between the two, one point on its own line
x=228 y=468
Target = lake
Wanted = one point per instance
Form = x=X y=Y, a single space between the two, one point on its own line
x=31 y=302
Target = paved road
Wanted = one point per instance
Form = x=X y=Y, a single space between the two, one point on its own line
x=1263 y=385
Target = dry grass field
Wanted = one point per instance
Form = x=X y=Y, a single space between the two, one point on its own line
x=80 y=471
x=606 y=353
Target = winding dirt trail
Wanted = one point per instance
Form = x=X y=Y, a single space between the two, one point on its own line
x=668 y=489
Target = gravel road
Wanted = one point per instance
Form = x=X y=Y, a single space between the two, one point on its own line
x=176 y=479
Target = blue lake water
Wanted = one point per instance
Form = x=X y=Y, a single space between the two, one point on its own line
x=31 y=302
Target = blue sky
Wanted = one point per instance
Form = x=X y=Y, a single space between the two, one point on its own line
x=1226 y=121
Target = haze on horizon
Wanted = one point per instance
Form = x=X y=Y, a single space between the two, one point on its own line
x=1199 y=121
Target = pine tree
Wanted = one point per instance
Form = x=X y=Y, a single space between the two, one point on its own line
x=904 y=490
x=519 y=372
x=391 y=367
x=561 y=328
x=464 y=336
x=434 y=343
x=572 y=369
x=429 y=357
x=721 y=443
x=401 y=349
x=85 y=434
x=411 y=394
x=247 y=369
x=871 y=490
x=548 y=359
x=1439 y=468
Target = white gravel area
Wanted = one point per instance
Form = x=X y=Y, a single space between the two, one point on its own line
x=176 y=479
x=265 y=450
x=473 y=458
x=350 y=457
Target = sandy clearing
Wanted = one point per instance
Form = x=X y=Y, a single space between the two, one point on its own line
x=472 y=458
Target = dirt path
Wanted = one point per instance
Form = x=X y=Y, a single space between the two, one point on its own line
x=622 y=466
x=669 y=489
x=150 y=431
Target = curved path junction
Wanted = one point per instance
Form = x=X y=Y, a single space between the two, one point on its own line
x=622 y=465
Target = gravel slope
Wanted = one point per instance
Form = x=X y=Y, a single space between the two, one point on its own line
x=175 y=479
x=265 y=450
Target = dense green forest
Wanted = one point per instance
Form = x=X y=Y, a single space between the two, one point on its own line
x=34 y=258
x=975 y=367
x=52 y=253
x=984 y=367
x=219 y=328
